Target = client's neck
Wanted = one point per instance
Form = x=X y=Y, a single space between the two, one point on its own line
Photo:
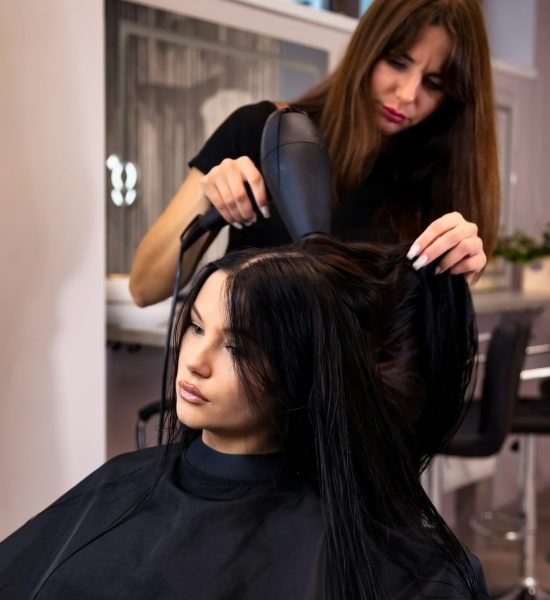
x=261 y=443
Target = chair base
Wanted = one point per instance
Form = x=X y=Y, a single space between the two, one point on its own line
x=498 y=525
x=527 y=590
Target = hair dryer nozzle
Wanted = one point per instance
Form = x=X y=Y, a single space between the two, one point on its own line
x=296 y=170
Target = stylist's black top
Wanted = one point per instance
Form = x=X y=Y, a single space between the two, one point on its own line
x=208 y=526
x=366 y=215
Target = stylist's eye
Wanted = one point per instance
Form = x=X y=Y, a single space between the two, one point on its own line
x=433 y=84
x=395 y=63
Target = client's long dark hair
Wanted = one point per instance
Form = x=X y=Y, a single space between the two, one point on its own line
x=364 y=363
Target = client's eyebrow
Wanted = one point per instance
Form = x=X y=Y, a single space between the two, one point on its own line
x=226 y=330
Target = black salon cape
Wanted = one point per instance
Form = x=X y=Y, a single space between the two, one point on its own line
x=215 y=527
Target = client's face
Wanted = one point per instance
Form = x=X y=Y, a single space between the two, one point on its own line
x=209 y=394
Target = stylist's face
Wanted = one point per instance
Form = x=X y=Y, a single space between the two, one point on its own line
x=408 y=88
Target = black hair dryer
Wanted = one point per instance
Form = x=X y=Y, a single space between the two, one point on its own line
x=296 y=170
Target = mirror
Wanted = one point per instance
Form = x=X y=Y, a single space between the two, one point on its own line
x=171 y=80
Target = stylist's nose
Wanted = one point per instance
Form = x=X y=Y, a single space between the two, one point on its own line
x=407 y=88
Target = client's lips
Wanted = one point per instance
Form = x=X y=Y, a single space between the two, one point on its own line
x=191 y=393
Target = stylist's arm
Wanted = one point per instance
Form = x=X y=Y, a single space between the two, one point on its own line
x=154 y=266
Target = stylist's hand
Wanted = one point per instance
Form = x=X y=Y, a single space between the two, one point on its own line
x=450 y=233
x=223 y=186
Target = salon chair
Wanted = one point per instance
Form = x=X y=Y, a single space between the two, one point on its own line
x=145 y=414
x=488 y=420
x=531 y=418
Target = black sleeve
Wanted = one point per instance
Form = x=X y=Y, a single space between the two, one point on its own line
x=238 y=135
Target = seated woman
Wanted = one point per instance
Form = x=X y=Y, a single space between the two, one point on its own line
x=311 y=383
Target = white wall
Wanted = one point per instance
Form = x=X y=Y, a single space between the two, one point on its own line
x=52 y=373
x=511 y=25
x=542 y=114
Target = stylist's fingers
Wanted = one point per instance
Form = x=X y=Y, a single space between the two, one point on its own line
x=451 y=240
x=216 y=191
x=422 y=249
x=224 y=187
x=240 y=205
x=465 y=258
x=256 y=182
x=449 y=232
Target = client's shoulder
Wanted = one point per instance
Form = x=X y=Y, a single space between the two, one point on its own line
x=146 y=459
x=131 y=470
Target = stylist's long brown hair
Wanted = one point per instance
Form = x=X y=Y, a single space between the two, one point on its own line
x=457 y=155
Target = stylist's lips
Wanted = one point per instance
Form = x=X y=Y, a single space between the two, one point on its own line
x=190 y=393
x=393 y=115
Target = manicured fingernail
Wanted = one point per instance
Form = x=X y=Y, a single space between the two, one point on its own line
x=265 y=212
x=420 y=262
x=237 y=225
x=414 y=250
x=251 y=222
x=438 y=270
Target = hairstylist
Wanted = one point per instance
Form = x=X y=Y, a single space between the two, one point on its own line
x=408 y=118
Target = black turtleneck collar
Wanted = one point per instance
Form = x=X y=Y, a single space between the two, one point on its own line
x=242 y=467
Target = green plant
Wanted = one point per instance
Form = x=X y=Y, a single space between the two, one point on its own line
x=521 y=248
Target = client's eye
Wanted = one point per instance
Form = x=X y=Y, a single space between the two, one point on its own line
x=196 y=328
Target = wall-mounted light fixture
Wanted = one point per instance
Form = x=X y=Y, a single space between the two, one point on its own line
x=124 y=176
